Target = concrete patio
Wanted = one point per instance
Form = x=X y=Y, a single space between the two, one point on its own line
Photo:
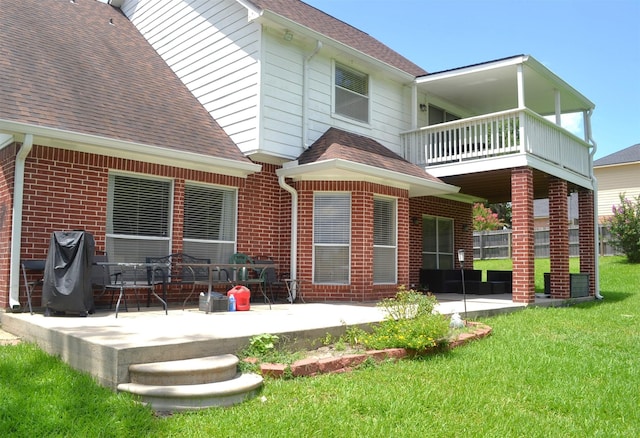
x=105 y=346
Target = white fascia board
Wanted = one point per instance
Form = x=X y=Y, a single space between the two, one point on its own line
x=343 y=170
x=471 y=69
x=130 y=150
x=268 y=16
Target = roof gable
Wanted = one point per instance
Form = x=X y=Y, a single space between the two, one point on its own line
x=323 y=23
x=82 y=67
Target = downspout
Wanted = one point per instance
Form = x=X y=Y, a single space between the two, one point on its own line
x=305 y=94
x=595 y=204
x=16 y=222
x=294 y=229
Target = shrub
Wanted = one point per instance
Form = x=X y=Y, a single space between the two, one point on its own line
x=485 y=219
x=624 y=225
x=410 y=323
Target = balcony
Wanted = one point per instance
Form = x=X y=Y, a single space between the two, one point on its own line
x=501 y=140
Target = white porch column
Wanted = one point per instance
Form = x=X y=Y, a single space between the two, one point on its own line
x=520 y=83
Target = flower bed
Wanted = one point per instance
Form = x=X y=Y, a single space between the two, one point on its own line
x=312 y=366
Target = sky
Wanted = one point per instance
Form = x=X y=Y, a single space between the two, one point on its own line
x=593 y=45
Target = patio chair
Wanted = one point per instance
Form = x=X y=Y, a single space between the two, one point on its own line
x=126 y=278
x=32 y=266
x=248 y=276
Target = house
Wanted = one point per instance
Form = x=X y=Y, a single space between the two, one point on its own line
x=274 y=129
x=617 y=173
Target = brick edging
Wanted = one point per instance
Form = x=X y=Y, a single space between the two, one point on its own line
x=311 y=367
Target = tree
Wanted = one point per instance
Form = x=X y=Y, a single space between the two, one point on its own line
x=484 y=219
x=624 y=226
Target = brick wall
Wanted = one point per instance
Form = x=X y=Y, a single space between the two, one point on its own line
x=67 y=190
x=523 y=238
x=586 y=221
x=361 y=287
x=559 y=238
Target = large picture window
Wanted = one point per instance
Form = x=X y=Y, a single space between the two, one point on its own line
x=209 y=222
x=384 y=241
x=331 y=238
x=437 y=243
x=351 y=93
x=138 y=218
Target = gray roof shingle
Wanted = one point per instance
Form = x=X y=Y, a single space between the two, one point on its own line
x=628 y=155
x=83 y=67
x=331 y=27
x=338 y=144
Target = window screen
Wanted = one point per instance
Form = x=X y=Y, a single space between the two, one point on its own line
x=384 y=241
x=351 y=93
x=331 y=238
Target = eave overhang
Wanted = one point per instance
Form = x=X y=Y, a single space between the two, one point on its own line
x=492 y=86
x=344 y=170
x=93 y=144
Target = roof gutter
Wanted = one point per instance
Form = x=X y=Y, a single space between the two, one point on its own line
x=294 y=232
x=16 y=222
x=95 y=144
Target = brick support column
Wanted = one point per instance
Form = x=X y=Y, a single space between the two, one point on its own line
x=559 y=238
x=523 y=237
x=586 y=223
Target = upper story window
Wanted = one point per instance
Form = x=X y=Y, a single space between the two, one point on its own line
x=351 y=93
x=138 y=217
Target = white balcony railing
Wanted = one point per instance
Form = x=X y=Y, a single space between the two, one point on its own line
x=493 y=135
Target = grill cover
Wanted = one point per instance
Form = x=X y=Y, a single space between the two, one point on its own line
x=67 y=273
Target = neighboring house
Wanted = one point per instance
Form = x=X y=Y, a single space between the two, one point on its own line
x=271 y=128
x=617 y=173
x=541 y=211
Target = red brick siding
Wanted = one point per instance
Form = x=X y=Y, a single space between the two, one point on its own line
x=460 y=212
x=67 y=190
x=523 y=237
x=586 y=224
x=559 y=242
x=361 y=287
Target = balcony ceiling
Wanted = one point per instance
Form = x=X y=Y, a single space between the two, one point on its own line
x=492 y=86
x=495 y=185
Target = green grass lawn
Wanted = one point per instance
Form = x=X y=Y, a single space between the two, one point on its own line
x=544 y=372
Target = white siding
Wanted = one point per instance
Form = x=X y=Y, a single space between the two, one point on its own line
x=215 y=51
x=252 y=82
x=615 y=180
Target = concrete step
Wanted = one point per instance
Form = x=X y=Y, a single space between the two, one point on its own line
x=185 y=372
x=171 y=398
x=180 y=385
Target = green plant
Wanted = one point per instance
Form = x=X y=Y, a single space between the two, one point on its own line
x=485 y=219
x=260 y=345
x=407 y=304
x=624 y=226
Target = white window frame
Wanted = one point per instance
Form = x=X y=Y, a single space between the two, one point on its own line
x=218 y=249
x=133 y=247
x=338 y=89
x=326 y=245
x=385 y=243
x=438 y=253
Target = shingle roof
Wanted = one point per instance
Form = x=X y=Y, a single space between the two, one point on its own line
x=628 y=155
x=83 y=67
x=331 y=27
x=338 y=144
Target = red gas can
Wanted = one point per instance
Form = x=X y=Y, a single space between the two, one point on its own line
x=242 y=296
